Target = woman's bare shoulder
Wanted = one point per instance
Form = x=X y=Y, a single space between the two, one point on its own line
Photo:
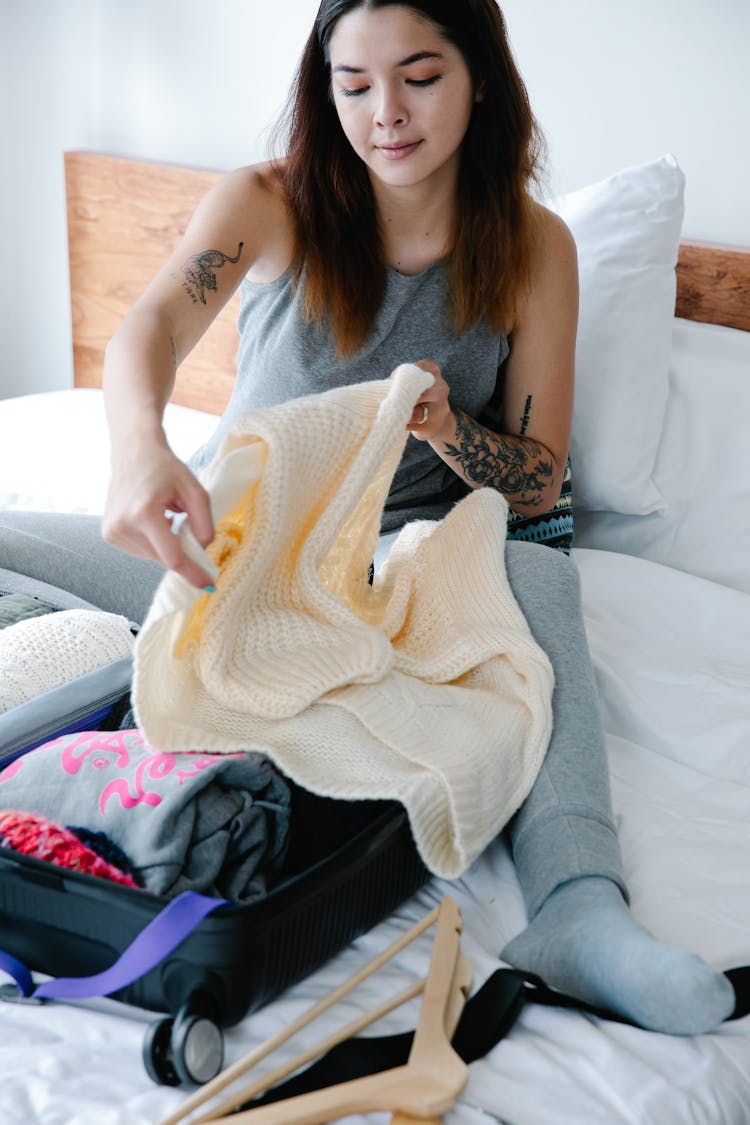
x=554 y=260
x=553 y=279
x=251 y=189
x=554 y=234
x=251 y=200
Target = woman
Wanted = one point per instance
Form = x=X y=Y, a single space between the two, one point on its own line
x=399 y=226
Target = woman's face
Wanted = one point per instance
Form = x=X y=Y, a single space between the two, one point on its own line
x=403 y=94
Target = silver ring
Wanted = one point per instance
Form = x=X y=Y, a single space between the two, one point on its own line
x=425 y=415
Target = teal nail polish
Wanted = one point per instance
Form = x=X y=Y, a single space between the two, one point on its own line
x=210 y=589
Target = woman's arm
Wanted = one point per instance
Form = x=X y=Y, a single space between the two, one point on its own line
x=527 y=460
x=240 y=226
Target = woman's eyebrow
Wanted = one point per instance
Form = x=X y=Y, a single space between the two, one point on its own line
x=418 y=56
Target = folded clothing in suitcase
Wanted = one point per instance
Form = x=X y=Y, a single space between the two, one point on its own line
x=89 y=698
x=349 y=865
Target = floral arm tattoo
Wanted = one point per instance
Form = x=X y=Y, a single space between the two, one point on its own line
x=515 y=467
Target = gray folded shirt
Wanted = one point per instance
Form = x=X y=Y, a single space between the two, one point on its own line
x=215 y=823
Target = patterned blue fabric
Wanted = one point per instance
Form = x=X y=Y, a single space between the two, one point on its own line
x=553 y=528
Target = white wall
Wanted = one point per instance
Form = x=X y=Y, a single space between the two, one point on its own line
x=618 y=82
x=614 y=82
x=193 y=82
x=46 y=106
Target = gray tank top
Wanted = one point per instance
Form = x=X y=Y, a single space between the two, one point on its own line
x=282 y=356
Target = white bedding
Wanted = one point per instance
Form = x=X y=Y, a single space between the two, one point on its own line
x=54 y=452
x=671 y=658
x=671 y=645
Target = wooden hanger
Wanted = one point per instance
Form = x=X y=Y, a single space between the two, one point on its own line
x=453 y=1015
x=433 y=1071
x=281 y=1072
x=434 y=1075
x=247 y=1062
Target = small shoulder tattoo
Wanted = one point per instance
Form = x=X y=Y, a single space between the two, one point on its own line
x=200 y=272
x=526 y=416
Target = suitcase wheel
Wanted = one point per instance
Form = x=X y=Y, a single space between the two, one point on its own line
x=157 y=1056
x=188 y=1049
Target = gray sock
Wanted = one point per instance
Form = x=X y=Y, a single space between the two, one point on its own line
x=585 y=942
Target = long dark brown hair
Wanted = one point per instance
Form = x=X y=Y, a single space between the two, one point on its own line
x=328 y=188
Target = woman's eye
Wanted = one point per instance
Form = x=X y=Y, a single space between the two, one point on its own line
x=355 y=91
x=424 y=81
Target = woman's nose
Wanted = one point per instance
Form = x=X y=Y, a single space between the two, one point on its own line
x=390 y=110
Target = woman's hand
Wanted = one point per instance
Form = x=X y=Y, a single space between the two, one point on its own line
x=432 y=416
x=147 y=483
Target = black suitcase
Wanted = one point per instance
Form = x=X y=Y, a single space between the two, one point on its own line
x=240 y=957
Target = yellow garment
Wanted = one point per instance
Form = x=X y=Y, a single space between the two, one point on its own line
x=426 y=687
x=228 y=536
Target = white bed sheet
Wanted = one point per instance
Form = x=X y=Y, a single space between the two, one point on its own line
x=54 y=448
x=671 y=657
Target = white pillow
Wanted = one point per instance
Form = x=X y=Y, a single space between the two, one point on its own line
x=627 y=230
x=702 y=468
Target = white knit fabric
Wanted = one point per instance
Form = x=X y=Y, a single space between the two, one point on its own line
x=426 y=687
x=42 y=653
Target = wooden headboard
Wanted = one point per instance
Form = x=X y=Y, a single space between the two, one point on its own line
x=126 y=216
x=713 y=284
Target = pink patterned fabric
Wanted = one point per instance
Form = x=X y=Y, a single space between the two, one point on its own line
x=185 y=820
x=34 y=835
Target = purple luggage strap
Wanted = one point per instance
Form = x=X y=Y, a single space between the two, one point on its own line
x=156 y=940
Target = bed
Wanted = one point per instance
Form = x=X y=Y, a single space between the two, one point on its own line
x=662 y=496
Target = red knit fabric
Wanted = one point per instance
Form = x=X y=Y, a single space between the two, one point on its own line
x=34 y=835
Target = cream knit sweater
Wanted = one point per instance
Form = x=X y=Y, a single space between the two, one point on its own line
x=426 y=687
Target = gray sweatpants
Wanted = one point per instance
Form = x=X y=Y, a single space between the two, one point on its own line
x=564 y=829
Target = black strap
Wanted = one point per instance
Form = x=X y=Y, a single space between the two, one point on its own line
x=488 y=1016
x=539 y=993
x=740 y=982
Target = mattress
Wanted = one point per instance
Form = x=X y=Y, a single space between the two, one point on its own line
x=681 y=789
x=667 y=610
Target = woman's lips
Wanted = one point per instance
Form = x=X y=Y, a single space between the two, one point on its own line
x=399 y=151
